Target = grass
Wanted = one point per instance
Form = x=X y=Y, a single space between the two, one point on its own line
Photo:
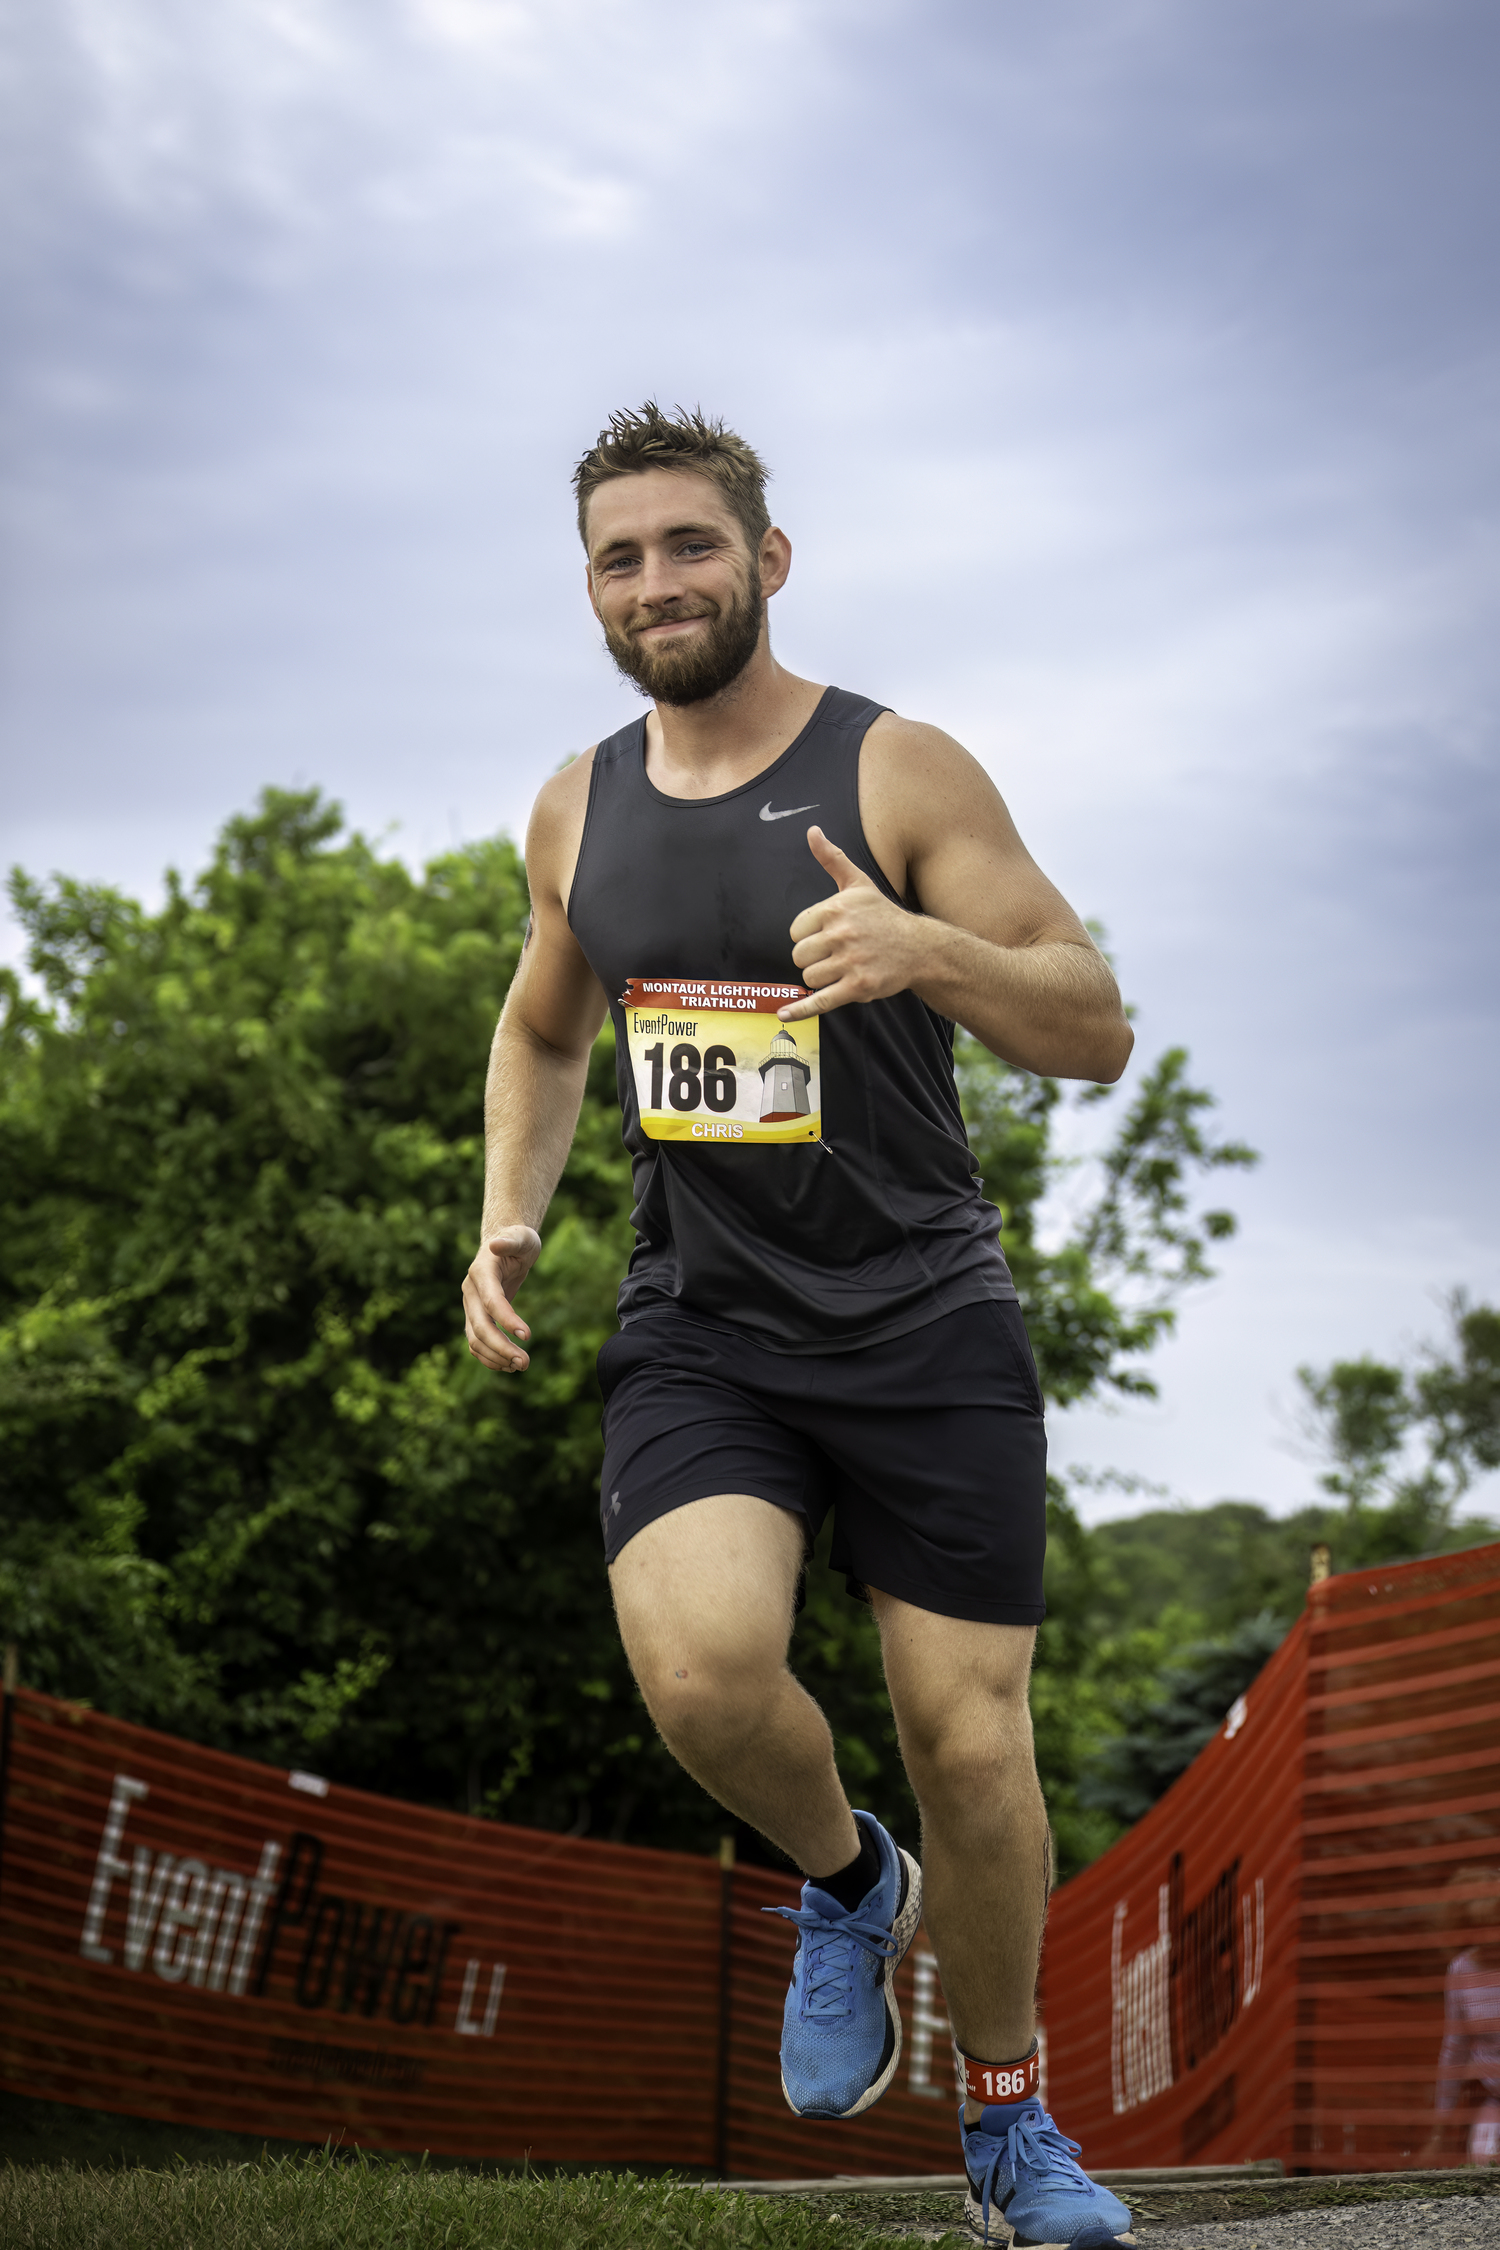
x=323 y=2202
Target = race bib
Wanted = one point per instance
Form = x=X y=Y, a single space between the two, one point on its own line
x=713 y=1062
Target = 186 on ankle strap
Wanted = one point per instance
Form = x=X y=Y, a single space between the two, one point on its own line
x=1001 y=2082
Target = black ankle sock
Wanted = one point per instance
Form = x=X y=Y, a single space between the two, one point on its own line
x=851 y=1883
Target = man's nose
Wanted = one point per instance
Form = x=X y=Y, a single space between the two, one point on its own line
x=661 y=580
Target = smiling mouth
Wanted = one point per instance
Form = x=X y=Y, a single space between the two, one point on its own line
x=671 y=624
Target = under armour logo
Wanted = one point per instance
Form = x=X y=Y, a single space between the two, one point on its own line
x=614 y=1501
x=767 y=814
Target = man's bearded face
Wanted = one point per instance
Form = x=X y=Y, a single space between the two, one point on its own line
x=693 y=669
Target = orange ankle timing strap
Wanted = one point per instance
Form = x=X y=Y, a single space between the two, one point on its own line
x=1002 y=2082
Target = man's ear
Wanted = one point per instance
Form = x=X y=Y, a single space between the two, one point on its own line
x=775 y=561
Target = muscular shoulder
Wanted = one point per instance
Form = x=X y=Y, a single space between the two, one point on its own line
x=919 y=790
x=942 y=832
x=555 y=829
x=891 y=735
x=919 y=777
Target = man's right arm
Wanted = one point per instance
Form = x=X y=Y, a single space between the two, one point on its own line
x=538 y=1064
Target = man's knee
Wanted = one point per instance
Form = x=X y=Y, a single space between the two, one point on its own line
x=705 y=1623
x=712 y=1703
x=960 y=1695
x=708 y=1678
x=970 y=1753
x=969 y=1738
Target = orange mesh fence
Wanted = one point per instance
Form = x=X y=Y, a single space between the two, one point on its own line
x=195 y=1938
x=1169 y=1972
x=1259 y=1968
x=1401 y=1814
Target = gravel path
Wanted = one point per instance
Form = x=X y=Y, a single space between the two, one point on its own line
x=1448 y=2223
x=1451 y=2222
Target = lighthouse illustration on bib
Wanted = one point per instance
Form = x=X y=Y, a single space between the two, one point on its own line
x=785 y=1078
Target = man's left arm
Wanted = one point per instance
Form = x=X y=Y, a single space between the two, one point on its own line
x=995 y=946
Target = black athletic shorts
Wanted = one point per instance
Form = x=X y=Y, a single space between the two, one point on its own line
x=930 y=1450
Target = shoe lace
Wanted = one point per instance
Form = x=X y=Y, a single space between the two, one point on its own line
x=1033 y=2140
x=830 y=1952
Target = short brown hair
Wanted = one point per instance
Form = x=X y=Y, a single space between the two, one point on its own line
x=690 y=443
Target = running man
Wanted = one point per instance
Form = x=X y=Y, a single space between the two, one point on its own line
x=785 y=896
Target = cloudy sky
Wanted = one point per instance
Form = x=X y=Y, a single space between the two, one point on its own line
x=1128 y=369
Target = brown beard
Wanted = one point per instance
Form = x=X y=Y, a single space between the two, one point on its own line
x=678 y=675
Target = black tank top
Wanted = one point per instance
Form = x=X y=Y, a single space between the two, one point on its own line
x=871 y=1225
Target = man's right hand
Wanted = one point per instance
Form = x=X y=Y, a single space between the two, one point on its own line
x=491 y=1322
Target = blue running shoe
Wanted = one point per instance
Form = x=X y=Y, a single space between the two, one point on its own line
x=841 y=2029
x=1027 y=2189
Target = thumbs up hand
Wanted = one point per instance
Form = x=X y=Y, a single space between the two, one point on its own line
x=857 y=945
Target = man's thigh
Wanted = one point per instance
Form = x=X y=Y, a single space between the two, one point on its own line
x=707 y=1592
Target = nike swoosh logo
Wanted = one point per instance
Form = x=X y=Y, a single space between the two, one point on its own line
x=767 y=814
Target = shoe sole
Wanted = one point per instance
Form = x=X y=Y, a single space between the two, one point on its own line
x=1003 y=2236
x=903 y=1930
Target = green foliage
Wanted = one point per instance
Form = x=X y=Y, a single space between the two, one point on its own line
x=326 y=2202
x=1457 y=1400
x=252 y=1487
x=1163 y=1618
x=1365 y=1411
x=1420 y=1436
x=1104 y=1295
x=1179 y=1716
x=1217 y=1565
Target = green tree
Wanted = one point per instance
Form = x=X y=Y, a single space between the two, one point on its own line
x=1108 y=1293
x=252 y=1488
x=1364 y=1413
x=1405 y=1445
x=1176 y=1609
x=1175 y=1717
